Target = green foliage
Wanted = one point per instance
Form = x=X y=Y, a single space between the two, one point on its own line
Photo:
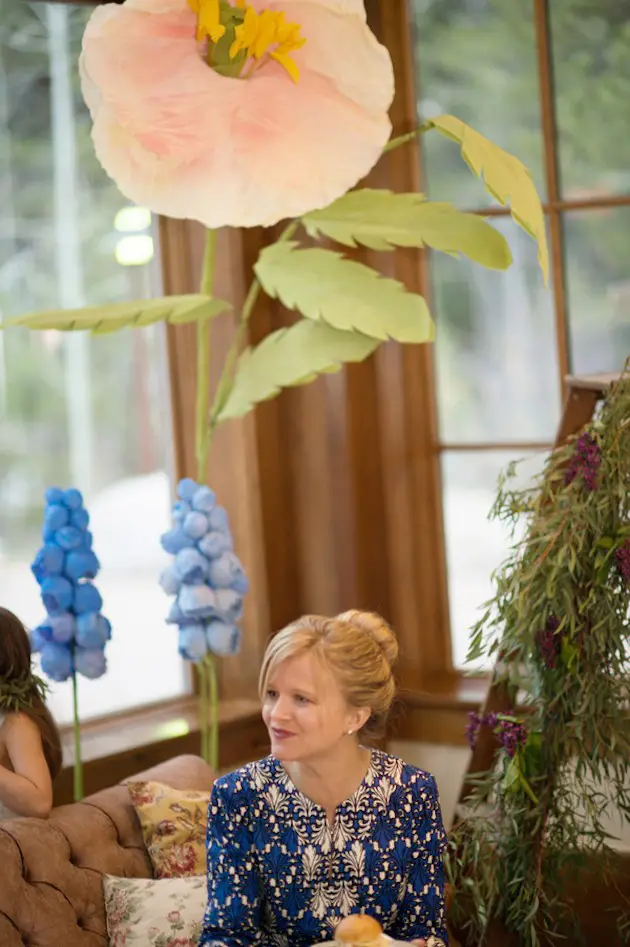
x=326 y=286
x=289 y=357
x=382 y=220
x=114 y=316
x=505 y=178
x=558 y=628
x=18 y=694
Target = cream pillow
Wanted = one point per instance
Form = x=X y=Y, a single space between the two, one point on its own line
x=143 y=912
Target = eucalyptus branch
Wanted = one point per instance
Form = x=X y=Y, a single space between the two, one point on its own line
x=560 y=610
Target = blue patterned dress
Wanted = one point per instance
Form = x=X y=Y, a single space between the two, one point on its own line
x=280 y=875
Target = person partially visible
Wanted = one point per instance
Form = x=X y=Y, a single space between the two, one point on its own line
x=30 y=745
x=325 y=826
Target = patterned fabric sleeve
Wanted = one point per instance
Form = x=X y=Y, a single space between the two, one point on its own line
x=233 y=914
x=422 y=913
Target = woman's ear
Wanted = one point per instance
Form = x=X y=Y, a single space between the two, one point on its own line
x=357 y=718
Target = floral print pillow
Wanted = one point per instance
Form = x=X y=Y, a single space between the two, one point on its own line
x=173 y=827
x=147 y=913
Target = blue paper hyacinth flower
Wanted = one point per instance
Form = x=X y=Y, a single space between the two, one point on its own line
x=205 y=577
x=73 y=636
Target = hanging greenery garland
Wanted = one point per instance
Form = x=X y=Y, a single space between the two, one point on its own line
x=557 y=630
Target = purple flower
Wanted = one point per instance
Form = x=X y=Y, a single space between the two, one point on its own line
x=512 y=735
x=550 y=643
x=586 y=461
x=472 y=728
x=622 y=557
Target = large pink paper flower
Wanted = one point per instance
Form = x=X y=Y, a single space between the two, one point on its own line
x=302 y=122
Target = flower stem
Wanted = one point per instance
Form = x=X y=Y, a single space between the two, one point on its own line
x=203 y=709
x=226 y=381
x=78 y=764
x=405 y=139
x=202 y=440
x=213 y=695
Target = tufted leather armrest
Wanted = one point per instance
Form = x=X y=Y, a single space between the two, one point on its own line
x=50 y=870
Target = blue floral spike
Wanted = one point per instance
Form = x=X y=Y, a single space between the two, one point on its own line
x=72 y=638
x=205 y=577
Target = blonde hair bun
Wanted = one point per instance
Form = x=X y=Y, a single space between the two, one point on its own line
x=377 y=628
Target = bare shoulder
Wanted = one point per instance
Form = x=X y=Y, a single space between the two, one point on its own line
x=20 y=725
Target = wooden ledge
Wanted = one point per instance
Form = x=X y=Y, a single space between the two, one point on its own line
x=120 y=745
x=437 y=710
x=448 y=691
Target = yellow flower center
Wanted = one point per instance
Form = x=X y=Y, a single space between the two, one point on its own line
x=208 y=19
x=251 y=37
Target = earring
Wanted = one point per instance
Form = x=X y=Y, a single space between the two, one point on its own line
x=350 y=733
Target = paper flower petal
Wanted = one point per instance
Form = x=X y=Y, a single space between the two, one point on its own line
x=189 y=143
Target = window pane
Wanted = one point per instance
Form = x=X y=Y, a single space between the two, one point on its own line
x=475 y=545
x=80 y=410
x=598 y=282
x=496 y=352
x=591 y=53
x=477 y=60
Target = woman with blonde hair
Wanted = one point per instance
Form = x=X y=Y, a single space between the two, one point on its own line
x=325 y=827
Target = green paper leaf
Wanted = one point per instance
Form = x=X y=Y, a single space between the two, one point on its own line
x=382 y=220
x=324 y=285
x=504 y=176
x=289 y=357
x=114 y=316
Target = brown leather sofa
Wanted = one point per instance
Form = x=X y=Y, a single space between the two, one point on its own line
x=50 y=870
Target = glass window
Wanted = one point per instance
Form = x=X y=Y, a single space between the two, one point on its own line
x=598 y=287
x=497 y=372
x=76 y=409
x=476 y=545
x=477 y=60
x=591 y=53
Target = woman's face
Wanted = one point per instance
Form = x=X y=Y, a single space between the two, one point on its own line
x=305 y=711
